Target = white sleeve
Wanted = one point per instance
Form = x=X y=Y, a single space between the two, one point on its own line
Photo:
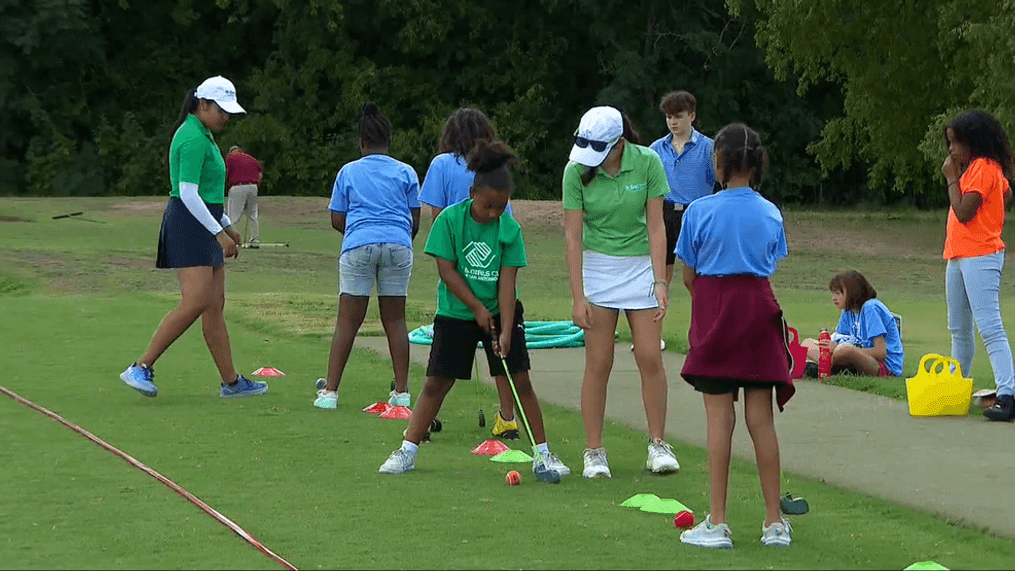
x=225 y=221
x=192 y=200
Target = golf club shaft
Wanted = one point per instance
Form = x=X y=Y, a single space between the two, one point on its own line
x=521 y=409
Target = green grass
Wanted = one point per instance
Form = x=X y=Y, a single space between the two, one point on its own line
x=80 y=299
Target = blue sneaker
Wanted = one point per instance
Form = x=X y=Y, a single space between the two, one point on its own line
x=243 y=388
x=140 y=378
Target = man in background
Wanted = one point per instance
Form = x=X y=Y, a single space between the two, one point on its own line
x=243 y=175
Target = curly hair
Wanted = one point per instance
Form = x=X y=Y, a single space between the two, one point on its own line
x=742 y=151
x=462 y=129
x=985 y=137
x=676 y=101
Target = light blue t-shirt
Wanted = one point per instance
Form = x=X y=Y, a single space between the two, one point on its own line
x=447 y=181
x=733 y=232
x=691 y=174
x=872 y=321
x=376 y=193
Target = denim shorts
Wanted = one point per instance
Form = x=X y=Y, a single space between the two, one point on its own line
x=387 y=265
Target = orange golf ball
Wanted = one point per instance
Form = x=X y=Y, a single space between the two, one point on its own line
x=513 y=478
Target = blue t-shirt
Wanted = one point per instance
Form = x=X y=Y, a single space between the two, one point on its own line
x=872 y=321
x=376 y=193
x=691 y=174
x=447 y=181
x=733 y=232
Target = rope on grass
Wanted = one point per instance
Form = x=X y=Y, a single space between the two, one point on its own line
x=538 y=335
x=172 y=485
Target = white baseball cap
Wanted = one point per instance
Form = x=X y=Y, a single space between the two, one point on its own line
x=597 y=132
x=221 y=91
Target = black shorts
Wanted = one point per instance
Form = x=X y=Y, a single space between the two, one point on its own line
x=714 y=386
x=184 y=242
x=672 y=219
x=454 y=347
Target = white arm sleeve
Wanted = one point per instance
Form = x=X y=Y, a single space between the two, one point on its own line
x=225 y=221
x=193 y=202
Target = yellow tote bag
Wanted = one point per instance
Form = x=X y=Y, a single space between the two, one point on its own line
x=936 y=390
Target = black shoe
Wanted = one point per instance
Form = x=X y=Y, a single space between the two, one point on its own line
x=811 y=369
x=1003 y=409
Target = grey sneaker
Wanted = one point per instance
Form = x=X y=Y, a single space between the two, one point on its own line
x=707 y=535
x=661 y=458
x=399 y=462
x=399 y=399
x=596 y=465
x=777 y=534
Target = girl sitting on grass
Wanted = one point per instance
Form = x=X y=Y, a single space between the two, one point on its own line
x=867 y=338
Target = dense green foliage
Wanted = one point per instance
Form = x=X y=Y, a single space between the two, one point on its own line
x=89 y=89
x=905 y=67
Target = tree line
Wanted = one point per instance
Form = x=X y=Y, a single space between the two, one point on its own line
x=89 y=89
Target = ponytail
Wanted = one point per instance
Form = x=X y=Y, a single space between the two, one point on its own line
x=188 y=107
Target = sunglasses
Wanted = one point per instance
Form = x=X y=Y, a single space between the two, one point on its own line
x=597 y=146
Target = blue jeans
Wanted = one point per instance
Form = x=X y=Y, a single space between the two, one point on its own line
x=388 y=266
x=973 y=291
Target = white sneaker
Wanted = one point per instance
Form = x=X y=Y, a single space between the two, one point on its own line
x=399 y=399
x=552 y=462
x=399 y=462
x=777 y=534
x=707 y=535
x=596 y=465
x=661 y=458
x=326 y=399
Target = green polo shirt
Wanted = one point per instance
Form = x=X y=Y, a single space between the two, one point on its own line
x=615 y=206
x=195 y=158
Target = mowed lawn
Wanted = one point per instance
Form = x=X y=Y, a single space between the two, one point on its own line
x=79 y=299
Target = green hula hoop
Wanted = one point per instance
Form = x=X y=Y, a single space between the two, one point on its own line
x=538 y=335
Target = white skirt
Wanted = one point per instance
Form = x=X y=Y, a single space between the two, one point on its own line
x=618 y=282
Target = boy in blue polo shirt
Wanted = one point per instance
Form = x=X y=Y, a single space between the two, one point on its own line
x=687 y=158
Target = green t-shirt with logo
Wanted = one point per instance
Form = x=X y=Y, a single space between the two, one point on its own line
x=615 y=206
x=195 y=158
x=478 y=250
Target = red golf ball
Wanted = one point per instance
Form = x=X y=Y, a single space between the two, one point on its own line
x=683 y=519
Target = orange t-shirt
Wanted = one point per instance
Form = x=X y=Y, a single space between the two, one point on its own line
x=981 y=235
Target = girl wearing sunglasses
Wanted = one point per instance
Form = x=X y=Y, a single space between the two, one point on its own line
x=613 y=218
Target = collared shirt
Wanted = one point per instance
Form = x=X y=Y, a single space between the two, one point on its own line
x=242 y=168
x=691 y=174
x=195 y=158
x=733 y=232
x=448 y=181
x=376 y=193
x=614 y=207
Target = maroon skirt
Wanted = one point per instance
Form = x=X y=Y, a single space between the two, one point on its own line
x=738 y=333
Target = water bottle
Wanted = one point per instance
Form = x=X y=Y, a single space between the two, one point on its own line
x=825 y=357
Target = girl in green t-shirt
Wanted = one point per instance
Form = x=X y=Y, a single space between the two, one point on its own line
x=478 y=252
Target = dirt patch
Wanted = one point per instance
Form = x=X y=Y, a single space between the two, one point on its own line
x=531 y=213
x=13 y=219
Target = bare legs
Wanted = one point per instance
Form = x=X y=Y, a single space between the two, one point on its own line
x=649 y=359
x=352 y=309
x=760 y=420
x=203 y=295
x=393 y=319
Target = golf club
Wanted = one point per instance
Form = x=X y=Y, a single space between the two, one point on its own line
x=540 y=470
x=479 y=397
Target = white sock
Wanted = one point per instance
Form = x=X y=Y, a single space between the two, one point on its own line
x=410 y=447
x=543 y=449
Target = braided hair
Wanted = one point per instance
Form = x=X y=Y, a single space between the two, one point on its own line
x=742 y=151
x=489 y=160
x=374 y=129
x=462 y=129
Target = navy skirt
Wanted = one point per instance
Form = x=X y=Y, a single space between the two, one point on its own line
x=186 y=243
x=737 y=335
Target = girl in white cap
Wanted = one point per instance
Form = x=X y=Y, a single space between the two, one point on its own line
x=613 y=218
x=195 y=239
